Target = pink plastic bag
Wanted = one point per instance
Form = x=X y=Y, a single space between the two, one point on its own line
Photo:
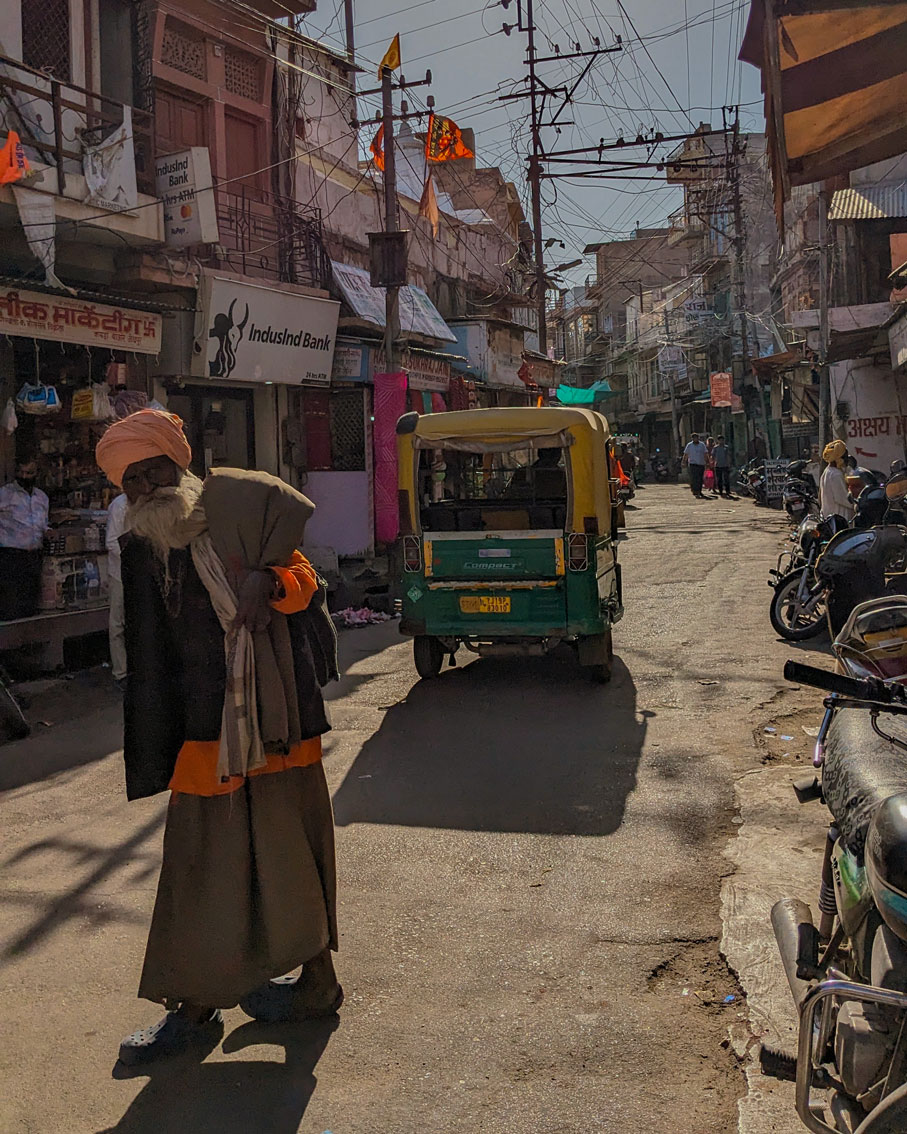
x=709 y=479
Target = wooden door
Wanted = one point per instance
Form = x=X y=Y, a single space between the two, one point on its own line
x=179 y=122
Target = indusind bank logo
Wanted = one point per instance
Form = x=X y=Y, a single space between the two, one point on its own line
x=288 y=337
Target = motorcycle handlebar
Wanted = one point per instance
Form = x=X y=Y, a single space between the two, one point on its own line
x=868 y=690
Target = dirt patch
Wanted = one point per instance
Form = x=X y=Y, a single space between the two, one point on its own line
x=790 y=737
x=699 y=1002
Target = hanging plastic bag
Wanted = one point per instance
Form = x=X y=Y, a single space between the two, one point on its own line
x=9 y=421
x=102 y=408
x=37 y=398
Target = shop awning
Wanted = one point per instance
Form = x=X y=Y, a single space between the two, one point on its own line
x=418 y=314
x=834 y=75
x=782 y=360
x=872 y=202
x=584 y=396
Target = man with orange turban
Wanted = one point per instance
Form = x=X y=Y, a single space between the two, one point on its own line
x=228 y=644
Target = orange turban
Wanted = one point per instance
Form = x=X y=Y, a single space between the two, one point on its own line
x=148 y=433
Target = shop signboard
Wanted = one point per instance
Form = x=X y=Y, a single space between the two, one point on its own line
x=36 y=315
x=897 y=339
x=697 y=309
x=721 y=386
x=417 y=312
x=251 y=333
x=347 y=362
x=775 y=476
x=671 y=358
x=423 y=371
x=183 y=183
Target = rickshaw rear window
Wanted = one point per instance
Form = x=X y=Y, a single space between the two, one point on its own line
x=518 y=490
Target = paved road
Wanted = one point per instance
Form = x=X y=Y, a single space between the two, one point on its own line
x=530 y=869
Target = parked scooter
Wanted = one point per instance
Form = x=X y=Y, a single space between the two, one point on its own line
x=848 y=975
x=800 y=495
x=660 y=469
x=751 y=480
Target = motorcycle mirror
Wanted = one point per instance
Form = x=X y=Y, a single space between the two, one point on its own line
x=896 y=488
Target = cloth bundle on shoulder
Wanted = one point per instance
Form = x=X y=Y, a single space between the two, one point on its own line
x=256 y=521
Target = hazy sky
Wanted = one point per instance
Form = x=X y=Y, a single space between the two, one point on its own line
x=692 y=44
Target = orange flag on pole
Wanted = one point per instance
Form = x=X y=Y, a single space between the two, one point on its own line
x=391 y=58
x=444 y=140
x=377 y=148
x=428 y=206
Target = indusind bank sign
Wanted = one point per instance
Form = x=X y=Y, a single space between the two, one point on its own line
x=250 y=333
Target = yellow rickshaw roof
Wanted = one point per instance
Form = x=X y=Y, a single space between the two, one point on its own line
x=509 y=423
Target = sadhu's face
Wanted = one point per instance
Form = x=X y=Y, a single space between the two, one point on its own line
x=144 y=477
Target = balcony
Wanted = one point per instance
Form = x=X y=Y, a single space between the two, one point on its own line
x=268 y=237
x=54 y=119
x=51 y=113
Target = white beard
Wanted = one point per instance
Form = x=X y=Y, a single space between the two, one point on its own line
x=169 y=518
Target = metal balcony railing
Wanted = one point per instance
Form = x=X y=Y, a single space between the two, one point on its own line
x=266 y=236
x=51 y=115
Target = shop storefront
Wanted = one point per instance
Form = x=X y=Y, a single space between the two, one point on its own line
x=67 y=367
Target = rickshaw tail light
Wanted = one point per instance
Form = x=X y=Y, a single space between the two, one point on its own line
x=577 y=552
x=412 y=553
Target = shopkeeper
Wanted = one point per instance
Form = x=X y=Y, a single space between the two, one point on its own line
x=23 y=522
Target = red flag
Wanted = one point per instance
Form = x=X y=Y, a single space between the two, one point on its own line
x=428 y=206
x=444 y=140
x=377 y=148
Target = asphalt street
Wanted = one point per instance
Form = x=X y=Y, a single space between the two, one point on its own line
x=530 y=879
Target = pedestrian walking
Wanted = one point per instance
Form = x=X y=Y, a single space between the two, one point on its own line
x=24 y=510
x=227 y=645
x=694 y=457
x=834 y=497
x=721 y=455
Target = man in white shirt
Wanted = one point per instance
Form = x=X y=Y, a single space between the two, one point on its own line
x=23 y=522
x=834 y=498
x=117 y=525
x=695 y=456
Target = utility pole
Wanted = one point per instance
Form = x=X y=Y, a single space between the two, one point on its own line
x=537 y=94
x=824 y=376
x=740 y=270
x=391 y=291
x=388 y=248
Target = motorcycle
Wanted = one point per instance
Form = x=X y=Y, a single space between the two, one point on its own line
x=799 y=494
x=848 y=975
x=797 y=610
x=660 y=469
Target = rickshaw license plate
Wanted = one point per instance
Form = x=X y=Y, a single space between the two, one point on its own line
x=485 y=604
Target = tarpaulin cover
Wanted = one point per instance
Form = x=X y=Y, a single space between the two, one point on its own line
x=583 y=395
x=834 y=75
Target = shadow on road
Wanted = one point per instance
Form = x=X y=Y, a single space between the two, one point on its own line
x=502 y=745
x=234 y=1097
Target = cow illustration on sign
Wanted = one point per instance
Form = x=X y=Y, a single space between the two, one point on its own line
x=229 y=335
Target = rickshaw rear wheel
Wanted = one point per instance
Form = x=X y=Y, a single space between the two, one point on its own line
x=428 y=654
x=596 y=656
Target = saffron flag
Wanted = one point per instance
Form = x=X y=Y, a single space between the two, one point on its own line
x=391 y=58
x=428 y=206
x=444 y=140
x=13 y=162
x=377 y=148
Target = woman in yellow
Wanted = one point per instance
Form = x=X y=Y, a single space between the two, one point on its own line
x=225 y=640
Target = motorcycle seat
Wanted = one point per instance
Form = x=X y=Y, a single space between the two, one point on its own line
x=861 y=771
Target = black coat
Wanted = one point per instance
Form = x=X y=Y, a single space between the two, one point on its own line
x=177 y=671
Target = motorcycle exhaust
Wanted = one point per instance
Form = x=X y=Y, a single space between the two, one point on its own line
x=797 y=940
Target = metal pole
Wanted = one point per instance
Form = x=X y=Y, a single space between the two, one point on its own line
x=824 y=375
x=392 y=297
x=535 y=187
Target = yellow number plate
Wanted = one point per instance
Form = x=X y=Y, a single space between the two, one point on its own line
x=485 y=604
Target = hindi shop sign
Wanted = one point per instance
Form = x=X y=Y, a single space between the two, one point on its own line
x=249 y=333
x=721 y=385
x=38 y=316
x=183 y=183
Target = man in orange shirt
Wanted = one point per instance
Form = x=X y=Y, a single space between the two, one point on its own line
x=225 y=640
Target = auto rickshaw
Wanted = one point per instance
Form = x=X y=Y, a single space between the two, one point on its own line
x=508 y=535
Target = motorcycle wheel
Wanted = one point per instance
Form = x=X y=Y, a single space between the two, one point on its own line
x=889 y=1117
x=786 y=622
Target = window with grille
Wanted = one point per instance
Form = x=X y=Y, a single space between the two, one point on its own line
x=242 y=74
x=183 y=49
x=45 y=36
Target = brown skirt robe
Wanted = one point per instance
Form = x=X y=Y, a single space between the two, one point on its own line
x=247 y=889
